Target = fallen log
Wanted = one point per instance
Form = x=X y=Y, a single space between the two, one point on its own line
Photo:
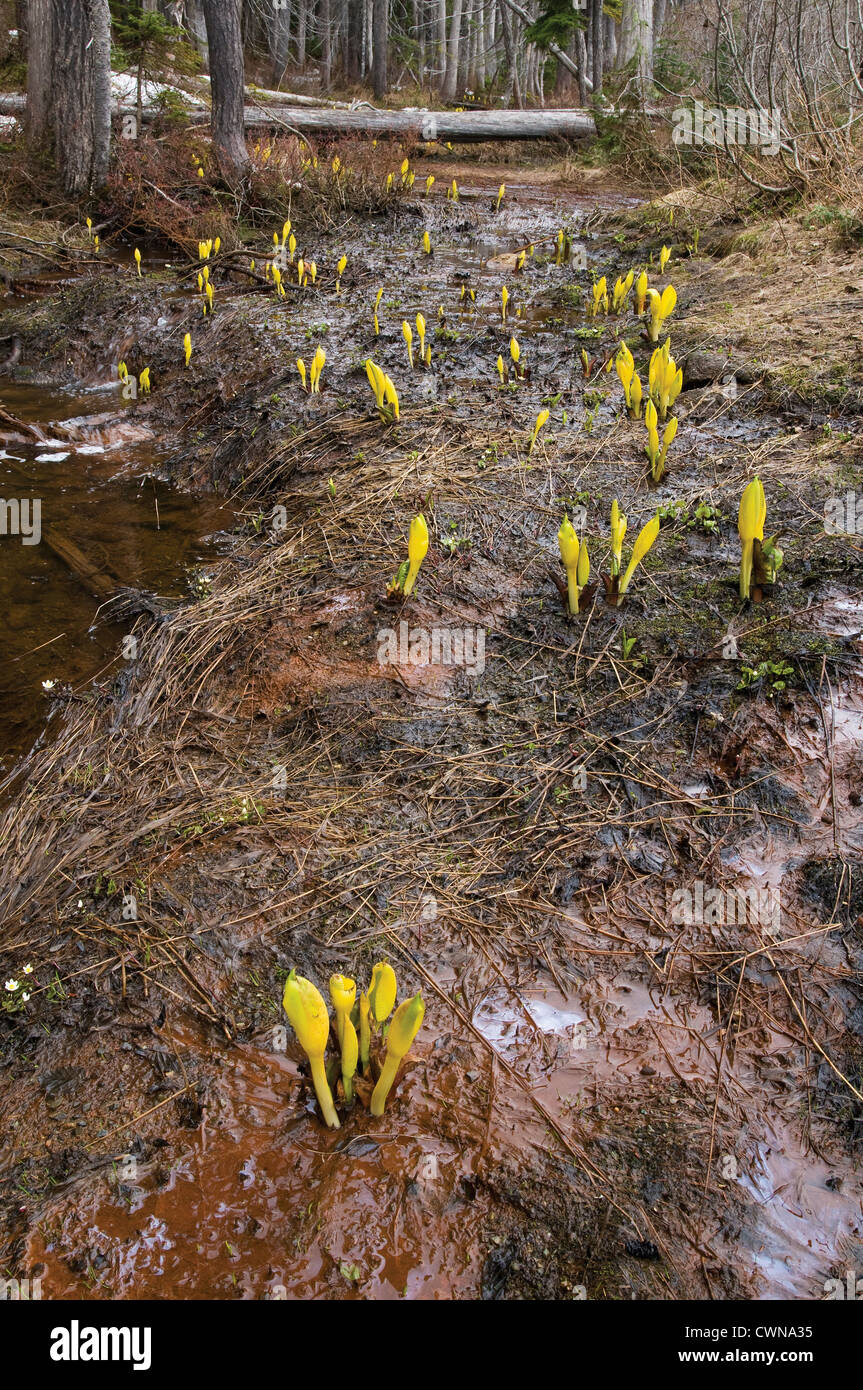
x=98 y=579
x=448 y=127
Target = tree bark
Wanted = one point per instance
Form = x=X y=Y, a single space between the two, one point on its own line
x=448 y=89
x=509 y=49
x=353 y=45
x=597 y=44
x=40 y=45
x=224 y=41
x=81 y=91
x=326 y=49
x=636 y=42
x=380 y=17
x=279 y=39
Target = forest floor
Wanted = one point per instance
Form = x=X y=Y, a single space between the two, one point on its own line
x=604 y=1099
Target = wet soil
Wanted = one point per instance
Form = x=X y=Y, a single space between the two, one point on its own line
x=604 y=1101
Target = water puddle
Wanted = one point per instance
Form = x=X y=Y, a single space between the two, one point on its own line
x=93 y=481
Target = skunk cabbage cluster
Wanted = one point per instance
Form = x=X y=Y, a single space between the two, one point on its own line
x=307 y=1013
x=386 y=396
x=418 y=544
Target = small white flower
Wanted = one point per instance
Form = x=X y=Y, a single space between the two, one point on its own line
x=28 y=970
x=25 y=996
x=80 y=902
x=11 y=985
x=48 y=685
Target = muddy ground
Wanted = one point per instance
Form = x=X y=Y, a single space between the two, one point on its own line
x=603 y=1101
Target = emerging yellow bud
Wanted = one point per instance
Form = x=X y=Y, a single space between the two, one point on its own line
x=641 y=293
x=138 y=261
x=501 y=370
x=750 y=528
x=500 y=192
x=350 y=1054
x=408 y=337
x=187 y=346
x=504 y=300
x=307 y=1014
x=429 y=182
x=403 y=1029
x=567 y=540
x=514 y=350
x=343 y=992
x=541 y=419
x=644 y=540
x=664 y=257
x=418 y=544
x=301 y=368
x=382 y=991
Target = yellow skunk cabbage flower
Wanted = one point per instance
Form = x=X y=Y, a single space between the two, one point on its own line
x=501 y=370
x=641 y=293
x=209 y=292
x=340 y=270
x=343 y=992
x=504 y=300
x=382 y=990
x=600 y=297
x=313 y=271
x=667 y=438
x=403 y=1029
x=187 y=345
x=350 y=1054
x=275 y=239
x=429 y=182
x=454 y=191
x=541 y=419
x=90 y=228
x=427 y=243
x=664 y=257
x=292 y=246
x=750 y=528
x=307 y=1014
x=286 y=230
x=418 y=544
x=661 y=308
x=317 y=367
x=301 y=368
x=96 y=245
x=567 y=540
x=519 y=262
x=404 y=168
x=365 y=1033
x=217 y=246
x=618 y=531
x=620 y=293
x=301 y=271
x=144 y=381
x=122 y=371
x=336 y=165
x=391 y=398
x=636 y=396
x=138 y=261
x=514 y=350
x=389 y=182
x=583 y=571
x=427 y=355
x=376 y=381
x=625 y=365
x=500 y=192
x=643 y=541
x=421 y=330
x=409 y=338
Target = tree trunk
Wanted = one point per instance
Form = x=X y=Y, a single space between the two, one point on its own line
x=224 y=40
x=440 y=43
x=40 y=45
x=353 y=46
x=302 y=27
x=581 y=45
x=448 y=90
x=659 y=8
x=279 y=39
x=509 y=49
x=380 y=17
x=597 y=44
x=82 y=93
x=326 y=50
x=636 y=42
x=197 y=28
